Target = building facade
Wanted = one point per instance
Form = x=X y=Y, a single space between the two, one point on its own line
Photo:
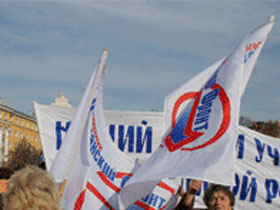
x=15 y=126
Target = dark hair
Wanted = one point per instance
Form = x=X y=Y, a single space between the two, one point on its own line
x=6 y=173
x=215 y=188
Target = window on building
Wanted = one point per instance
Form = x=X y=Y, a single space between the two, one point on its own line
x=0 y=115
x=22 y=122
x=6 y=116
x=16 y=134
x=17 y=121
x=31 y=137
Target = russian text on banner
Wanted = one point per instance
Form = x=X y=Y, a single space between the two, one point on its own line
x=202 y=120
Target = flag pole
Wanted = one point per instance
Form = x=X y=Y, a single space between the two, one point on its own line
x=84 y=114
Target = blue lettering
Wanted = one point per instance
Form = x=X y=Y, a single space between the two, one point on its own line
x=212 y=80
x=129 y=136
x=245 y=188
x=100 y=162
x=112 y=132
x=240 y=146
x=201 y=120
x=237 y=184
x=92 y=140
x=205 y=126
x=260 y=149
x=59 y=128
x=112 y=175
x=204 y=106
x=161 y=203
x=124 y=180
x=106 y=169
x=93 y=148
x=147 y=138
x=271 y=187
x=153 y=199
x=210 y=96
x=274 y=155
x=146 y=198
x=92 y=104
x=203 y=113
x=96 y=155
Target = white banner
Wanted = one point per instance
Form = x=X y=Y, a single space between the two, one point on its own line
x=257 y=155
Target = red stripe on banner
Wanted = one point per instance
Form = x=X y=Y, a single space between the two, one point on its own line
x=166 y=187
x=120 y=175
x=80 y=201
x=92 y=189
x=108 y=182
x=144 y=205
x=95 y=134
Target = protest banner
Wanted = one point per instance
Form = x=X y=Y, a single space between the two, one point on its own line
x=256 y=154
x=222 y=85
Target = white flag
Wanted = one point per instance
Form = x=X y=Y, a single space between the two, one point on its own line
x=69 y=164
x=202 y=121
x=95 y=169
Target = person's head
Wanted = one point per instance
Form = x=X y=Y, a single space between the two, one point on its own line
x=31 y=188
x=218 y=197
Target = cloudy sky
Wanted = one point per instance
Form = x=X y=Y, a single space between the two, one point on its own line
x=48 y=47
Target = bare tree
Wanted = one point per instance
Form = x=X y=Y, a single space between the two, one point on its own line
x=23 y=154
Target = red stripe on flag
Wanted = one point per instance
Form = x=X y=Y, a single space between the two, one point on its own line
x=92 y=189
x=166 y=187
x=108 y=182
x=95 y=134
x=162 y=207
x=144 y=205
x=120 y=175
x=80 y=201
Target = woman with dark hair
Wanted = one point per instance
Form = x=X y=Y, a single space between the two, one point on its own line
x=216 y=197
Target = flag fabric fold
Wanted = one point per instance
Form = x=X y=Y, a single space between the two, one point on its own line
x=94 y=168
x=201 y=123
x=65 y=156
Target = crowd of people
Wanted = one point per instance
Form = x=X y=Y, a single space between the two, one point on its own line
x=34 y=188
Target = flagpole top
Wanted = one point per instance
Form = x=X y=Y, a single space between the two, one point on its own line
x=105 y=50
x=271 y=18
